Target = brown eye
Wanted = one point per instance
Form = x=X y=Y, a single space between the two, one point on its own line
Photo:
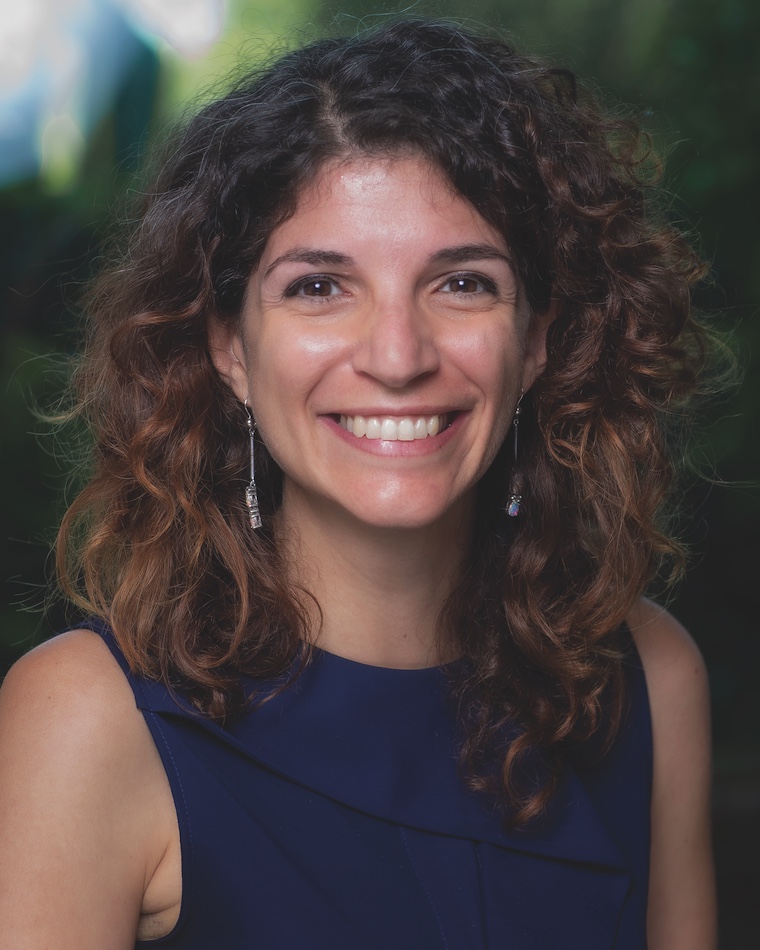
x=313 y=287
x=468 y=284
x=464 y=285
x=318 y=288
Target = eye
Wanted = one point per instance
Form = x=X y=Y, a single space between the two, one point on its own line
x=468 y=284
x=313 y=286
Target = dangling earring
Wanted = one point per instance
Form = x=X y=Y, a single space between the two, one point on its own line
x=251 y=497
x=516 y=485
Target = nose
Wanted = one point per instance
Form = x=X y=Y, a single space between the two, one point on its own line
x=397 y=345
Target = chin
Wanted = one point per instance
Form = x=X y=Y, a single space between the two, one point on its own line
x=399 y=506
x=407 y=514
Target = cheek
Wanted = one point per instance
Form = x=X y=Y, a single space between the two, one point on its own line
x=494 y=362
x=287 y=364
x=492 y=358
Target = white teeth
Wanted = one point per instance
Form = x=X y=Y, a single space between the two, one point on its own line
x=389 y=430
x=406 y=429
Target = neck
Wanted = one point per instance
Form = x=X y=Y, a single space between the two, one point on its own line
x=380 y=590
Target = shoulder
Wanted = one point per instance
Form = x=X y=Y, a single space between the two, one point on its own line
x=673 y=666
x=678 y=696
x=73 y=676
x=81 y=785
x=662 y=641
x=70 y=689
x=75 y=654
x=681 y=894
x=69 y=726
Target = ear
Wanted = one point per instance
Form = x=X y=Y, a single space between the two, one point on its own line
x=228 y=355
x=534 y=360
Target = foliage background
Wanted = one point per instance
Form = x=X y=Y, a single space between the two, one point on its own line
x=690 y=67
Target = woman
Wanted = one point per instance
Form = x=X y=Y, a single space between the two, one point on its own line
x=380 y=388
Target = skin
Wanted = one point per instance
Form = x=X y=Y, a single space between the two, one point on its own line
x=682 y=911
x=396 y=319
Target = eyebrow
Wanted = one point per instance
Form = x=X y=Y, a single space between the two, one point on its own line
x=451 y=256
x=448 y=256
x=312 y=256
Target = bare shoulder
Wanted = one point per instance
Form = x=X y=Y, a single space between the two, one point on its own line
x=675 y=671
x=75 y=669
x=678 y=697
x=681 y=913
x=69 y=697
x=672 y=661
x=82 y=784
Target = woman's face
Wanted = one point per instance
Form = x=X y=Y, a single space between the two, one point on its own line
x=383 y=345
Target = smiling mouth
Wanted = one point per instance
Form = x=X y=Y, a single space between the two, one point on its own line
x=394 y=428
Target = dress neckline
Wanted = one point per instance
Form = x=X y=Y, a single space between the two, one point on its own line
x=321 y=655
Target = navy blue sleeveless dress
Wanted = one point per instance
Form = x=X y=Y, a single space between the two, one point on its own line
x=334 y=818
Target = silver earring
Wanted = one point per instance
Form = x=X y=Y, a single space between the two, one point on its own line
x=516 y=485
x=251 y=497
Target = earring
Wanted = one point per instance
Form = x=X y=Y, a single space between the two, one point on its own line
x=251 y=497
x=516 y=485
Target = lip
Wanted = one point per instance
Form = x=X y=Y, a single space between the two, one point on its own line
x=417 y=448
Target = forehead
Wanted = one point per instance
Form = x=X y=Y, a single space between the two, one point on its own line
x=382 y=199
x=356 y=174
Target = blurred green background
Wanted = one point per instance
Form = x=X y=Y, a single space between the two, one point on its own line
x=81 y=99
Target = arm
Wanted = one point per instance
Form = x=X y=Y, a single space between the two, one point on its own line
x=83 y=804
x=682 y=909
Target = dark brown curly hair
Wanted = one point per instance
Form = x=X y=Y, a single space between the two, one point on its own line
x=158 y=542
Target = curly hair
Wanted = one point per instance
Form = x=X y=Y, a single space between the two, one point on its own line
x=158 y=541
